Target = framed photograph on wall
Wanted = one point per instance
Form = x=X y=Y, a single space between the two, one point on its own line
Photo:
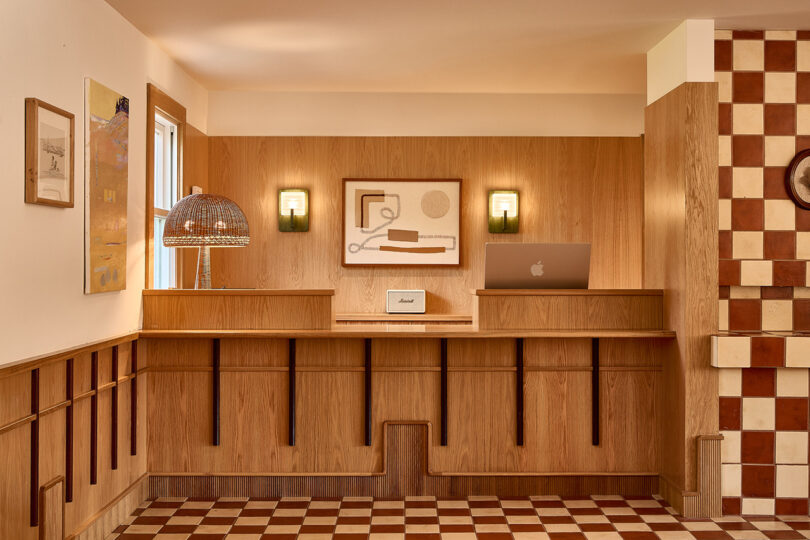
x=401 y=222
x=48 y=154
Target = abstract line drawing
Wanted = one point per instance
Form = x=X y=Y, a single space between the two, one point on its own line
x=401 y=222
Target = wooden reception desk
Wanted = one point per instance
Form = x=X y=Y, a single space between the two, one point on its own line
x=566 y=400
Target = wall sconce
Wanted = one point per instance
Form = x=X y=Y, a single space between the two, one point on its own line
x=293 y=210
x=503 y=211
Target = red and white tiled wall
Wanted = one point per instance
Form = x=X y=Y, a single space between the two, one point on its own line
x=764 y=246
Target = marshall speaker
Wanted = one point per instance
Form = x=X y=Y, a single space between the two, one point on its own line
x=405 y=301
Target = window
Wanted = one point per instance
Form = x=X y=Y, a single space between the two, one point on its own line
x=166 y=193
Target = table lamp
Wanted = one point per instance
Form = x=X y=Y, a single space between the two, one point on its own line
x=205 y=221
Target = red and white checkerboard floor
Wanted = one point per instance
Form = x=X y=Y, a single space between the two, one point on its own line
x=426 y=518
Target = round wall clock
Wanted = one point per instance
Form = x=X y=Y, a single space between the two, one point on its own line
x=798 y=179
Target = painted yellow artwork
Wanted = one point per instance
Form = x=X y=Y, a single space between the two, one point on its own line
x=106 y=175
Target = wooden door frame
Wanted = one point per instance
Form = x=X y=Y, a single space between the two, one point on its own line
x=159 y=102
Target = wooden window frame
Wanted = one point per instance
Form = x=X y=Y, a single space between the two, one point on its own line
x=159 y=102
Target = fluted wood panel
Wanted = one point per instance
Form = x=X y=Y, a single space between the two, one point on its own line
x=571 y=190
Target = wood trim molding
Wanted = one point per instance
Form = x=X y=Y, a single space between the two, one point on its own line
x=27 y=364
x=158 y=101
x=44 y=523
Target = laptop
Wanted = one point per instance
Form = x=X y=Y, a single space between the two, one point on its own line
x=536 y=266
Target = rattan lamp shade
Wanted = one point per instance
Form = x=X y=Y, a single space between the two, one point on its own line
x=206 y=220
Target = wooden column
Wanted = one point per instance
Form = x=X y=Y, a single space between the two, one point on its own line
x=133 y=401
x=114 y=411
x=443 y=345
x=367 y=393
x=595 y=391
x=519 y=389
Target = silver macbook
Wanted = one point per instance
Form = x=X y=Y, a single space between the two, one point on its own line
x=536 y=266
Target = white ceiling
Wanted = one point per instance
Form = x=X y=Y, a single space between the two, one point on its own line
x=469 y=46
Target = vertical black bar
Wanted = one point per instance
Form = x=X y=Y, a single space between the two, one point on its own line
x=444 y=391
x=114 y=411
x=595 y=390
x=367 y=421
x=519 y=389
x=94 y=418
x=133 y=402
x=216 y=392
x=291 y=393
x=35 y=448
x=69 y=431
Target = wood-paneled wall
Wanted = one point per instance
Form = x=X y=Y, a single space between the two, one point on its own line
x=195 y=173
x=49 y=424
x=680 y=257
x=571 y=190
x=481 y=401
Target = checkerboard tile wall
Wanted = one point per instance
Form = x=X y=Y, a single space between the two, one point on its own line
x=764 y=422
x=425 y=518
x=764 y=119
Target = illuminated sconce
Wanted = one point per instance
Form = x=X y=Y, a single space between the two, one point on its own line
x=503 y=211
x=293 y=210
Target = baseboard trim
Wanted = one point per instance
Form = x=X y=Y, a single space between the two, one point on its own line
x=706 y=501
x=102 y=523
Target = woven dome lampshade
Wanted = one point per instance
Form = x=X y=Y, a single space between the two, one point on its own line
x=203 y=220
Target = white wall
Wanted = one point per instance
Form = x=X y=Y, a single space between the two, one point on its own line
x=685 y=55
x=47 y=48
x=403 y=114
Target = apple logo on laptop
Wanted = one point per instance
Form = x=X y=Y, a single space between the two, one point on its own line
x=537 y=269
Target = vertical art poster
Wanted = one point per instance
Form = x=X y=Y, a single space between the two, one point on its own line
x=401 y=222
x=106 y=177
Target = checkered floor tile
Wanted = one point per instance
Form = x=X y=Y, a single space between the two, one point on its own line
x=426 y=518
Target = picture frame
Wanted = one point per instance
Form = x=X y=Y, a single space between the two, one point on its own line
x=49 y=154
x=401 y=222
x=797 y=179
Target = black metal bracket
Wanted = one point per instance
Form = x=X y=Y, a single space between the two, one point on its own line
x=367 y=404
x=595 y=391
x=444 y=392
x=291 y=392
x=519 y=389
x=216 y=391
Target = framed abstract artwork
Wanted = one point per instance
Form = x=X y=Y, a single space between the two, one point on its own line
x=48 y=154
x=106 y=180
x=401 y=222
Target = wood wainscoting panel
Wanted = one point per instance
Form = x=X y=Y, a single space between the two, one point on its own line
x=405 y=473
x=52 y=510
x=572 y=189
x=50 y=454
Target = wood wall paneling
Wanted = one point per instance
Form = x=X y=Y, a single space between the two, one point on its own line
x=680 y=256
x=195 y=173
x=26 y=474
x=572 y=190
